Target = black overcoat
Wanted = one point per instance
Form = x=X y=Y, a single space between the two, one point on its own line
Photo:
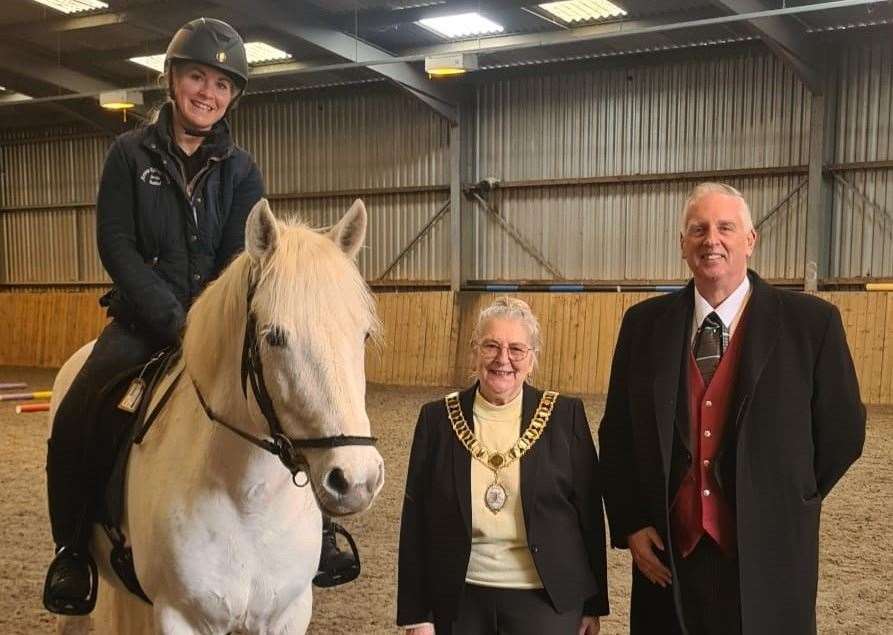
x=795 y=425
x=560 y=496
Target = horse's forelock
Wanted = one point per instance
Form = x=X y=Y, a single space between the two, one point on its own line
x=308 y=274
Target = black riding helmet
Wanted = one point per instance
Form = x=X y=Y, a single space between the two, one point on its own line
x=213 y=43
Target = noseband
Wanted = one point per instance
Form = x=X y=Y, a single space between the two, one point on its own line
x=287 y=448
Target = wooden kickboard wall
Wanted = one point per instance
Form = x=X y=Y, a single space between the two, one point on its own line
x=425 y=335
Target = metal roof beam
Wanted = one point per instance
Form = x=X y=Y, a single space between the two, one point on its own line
x=140 y=16
x=786 y=38
x=314 y=30
x=45 y=70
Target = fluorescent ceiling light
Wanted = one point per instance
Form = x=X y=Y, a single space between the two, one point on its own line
x=257 y=52
x=73 y=6
x=571 y=11
x=154 y=62
x=462 y=25
x=261 y=52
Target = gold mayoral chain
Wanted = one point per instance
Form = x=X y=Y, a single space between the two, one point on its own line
x=495 y=496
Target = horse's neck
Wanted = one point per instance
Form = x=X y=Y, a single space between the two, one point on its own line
x=212 y=346
x=213 y=358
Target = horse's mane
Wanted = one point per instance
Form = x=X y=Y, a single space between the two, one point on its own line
x=304 y=278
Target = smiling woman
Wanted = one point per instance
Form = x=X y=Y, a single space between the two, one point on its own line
x=162 y=238
x=202 y=95
x=502 y=518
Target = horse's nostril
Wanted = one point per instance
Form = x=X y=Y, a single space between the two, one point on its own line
x=337 y=482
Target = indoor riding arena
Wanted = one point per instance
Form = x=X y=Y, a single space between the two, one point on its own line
x=543 y=152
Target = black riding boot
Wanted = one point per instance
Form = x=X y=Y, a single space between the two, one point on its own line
x=70 y=586
x=336 y=565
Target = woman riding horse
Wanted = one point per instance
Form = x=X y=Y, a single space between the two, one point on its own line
x=171 y=211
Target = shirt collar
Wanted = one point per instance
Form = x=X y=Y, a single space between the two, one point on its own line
x=728 y=308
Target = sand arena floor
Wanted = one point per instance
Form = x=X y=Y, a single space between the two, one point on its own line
x=857 y=529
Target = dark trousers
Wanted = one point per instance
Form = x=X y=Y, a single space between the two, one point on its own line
x=491 y=611
x=710 y=590
x=70 y=483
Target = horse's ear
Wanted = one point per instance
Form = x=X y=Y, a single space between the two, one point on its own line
x=350 y=232
x=261 y=231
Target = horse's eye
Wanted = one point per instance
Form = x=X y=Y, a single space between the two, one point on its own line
x=368 y=335
x=277 y=336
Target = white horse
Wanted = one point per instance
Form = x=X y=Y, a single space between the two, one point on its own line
x=223 y=540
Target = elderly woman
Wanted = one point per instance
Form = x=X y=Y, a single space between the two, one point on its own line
x=502 y=528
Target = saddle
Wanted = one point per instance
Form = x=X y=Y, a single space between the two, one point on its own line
x=121 y=419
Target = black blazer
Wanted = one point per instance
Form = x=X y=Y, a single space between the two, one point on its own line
x=795 y=425
x=560 y=496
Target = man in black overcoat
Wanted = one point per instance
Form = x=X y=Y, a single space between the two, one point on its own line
x=733 y=409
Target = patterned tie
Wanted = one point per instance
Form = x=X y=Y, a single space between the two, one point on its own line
x=710 y=343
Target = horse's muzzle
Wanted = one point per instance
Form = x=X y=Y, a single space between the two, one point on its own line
x=350 y=486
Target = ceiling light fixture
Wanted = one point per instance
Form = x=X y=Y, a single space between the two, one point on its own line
x=571 y=11
x=261 y=52
x=122 y=100
x=153 y=62
x=73 y=6
x=450 y=65
x=461 y=26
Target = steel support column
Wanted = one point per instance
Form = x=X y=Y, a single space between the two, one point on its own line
x=822 y=124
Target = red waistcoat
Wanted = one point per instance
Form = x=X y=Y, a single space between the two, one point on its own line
x=699 y=507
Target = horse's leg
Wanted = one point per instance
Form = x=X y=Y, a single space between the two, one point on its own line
x=296 y=619
x=170 y=620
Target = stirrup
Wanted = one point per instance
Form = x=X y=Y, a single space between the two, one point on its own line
x=68 y=606
x=337 y=574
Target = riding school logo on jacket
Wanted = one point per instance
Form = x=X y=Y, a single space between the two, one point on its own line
x=154 y=176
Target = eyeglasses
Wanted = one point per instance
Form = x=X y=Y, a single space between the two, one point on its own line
x=517 y=352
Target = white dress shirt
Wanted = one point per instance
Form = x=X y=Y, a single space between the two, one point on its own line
x=729 y=310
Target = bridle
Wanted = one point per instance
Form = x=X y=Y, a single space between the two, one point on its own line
x=287 y=448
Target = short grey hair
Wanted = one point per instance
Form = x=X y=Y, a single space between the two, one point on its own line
x=710 y=187
x=507 y=308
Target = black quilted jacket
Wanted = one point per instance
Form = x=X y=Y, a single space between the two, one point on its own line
x=161 y=239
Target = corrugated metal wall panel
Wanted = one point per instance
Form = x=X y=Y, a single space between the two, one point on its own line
x=865 y=104
x=90 y=266
x=51 y=172
x=319 y=142
x=744 y=111
x=627 y=231
x=40 y=246
x=394 y=220
x=862 y=233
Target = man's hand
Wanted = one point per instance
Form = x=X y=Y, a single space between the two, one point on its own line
x=641 y=545
x=421 y=629
x=589 y=625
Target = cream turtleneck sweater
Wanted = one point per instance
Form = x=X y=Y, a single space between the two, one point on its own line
x=499 y=553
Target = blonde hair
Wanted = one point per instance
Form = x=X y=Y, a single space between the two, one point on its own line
x=508 y=308
x=710 y=187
